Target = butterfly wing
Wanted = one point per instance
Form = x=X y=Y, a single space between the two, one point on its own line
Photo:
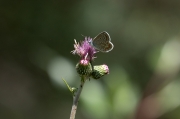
x=102 y=42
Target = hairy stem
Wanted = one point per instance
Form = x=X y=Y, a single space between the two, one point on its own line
x=76 y=98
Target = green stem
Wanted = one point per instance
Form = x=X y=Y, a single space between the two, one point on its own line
x=76 y=98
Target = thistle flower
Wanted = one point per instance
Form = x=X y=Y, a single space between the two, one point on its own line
x=86 y=53
x=85 y=50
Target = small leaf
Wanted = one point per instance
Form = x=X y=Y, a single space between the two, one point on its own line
x=70 y=89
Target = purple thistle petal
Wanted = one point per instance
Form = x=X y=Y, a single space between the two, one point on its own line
x=84 y=49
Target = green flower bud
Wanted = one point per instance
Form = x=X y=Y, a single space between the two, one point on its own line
x=84 y=68
x=100 y=71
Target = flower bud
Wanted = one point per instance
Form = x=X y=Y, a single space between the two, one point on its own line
x=84 y=68
x=100 y=71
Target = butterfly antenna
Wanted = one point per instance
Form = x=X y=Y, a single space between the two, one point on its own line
x=83 y=35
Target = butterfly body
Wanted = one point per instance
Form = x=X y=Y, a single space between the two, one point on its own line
x=102 y=42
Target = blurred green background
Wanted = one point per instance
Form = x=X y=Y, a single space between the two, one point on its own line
x=36 y=38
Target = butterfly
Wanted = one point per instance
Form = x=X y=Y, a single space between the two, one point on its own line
x=102 y=42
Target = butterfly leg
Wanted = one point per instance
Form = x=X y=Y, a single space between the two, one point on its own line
x=92 y=66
